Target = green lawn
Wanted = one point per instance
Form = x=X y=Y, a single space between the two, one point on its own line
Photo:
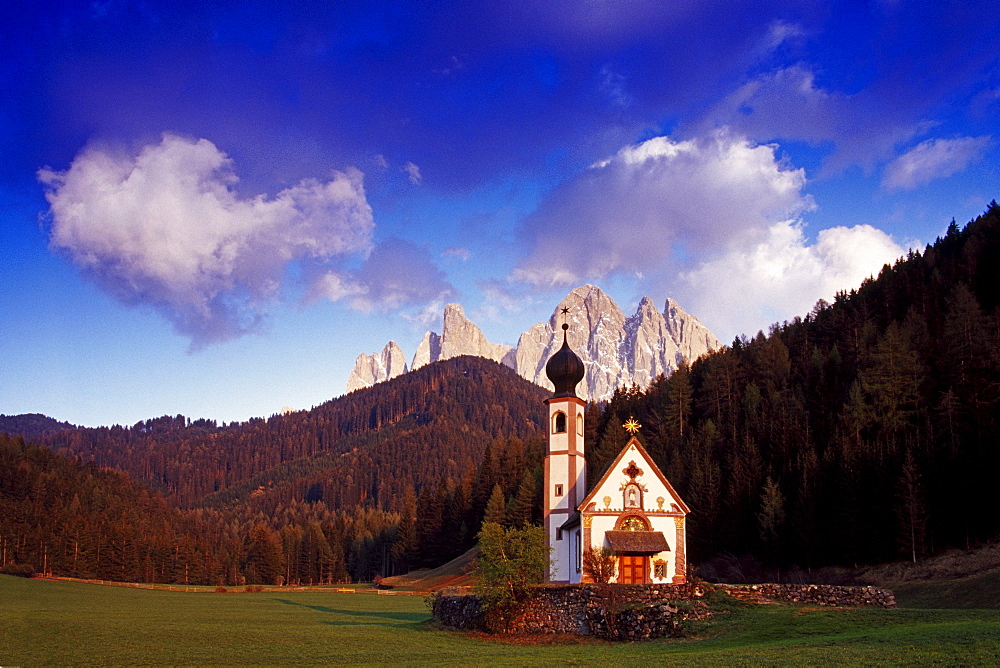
x=74 y=623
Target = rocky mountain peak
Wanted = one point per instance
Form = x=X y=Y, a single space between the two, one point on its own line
x=460 y=336
x=686 y=329
x=374 y=368
x=615 y=350
x=428 y=350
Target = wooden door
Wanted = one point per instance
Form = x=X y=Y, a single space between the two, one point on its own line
x=633 y=569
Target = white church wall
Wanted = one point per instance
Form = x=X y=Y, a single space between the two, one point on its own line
x=559 y=481
x=559 y=564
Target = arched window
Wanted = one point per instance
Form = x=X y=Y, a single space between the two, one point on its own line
x=579 y=423
x=559 y=423
x=632 y=523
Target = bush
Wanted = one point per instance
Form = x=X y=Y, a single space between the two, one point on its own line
x=20 y=570
x=509 y=562
x=599 y=564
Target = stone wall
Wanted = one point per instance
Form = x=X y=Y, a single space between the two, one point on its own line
x=583 y=610
x=833 y=595
x=632 y=612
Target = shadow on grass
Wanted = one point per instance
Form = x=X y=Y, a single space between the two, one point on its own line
x=384 y=618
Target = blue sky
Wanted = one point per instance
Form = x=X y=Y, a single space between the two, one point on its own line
x=212 y=208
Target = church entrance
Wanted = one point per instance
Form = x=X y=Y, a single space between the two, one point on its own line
x=633 y=569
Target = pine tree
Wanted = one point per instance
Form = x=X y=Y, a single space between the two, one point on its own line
x=772 y=511
x=891 y=382
x=910 y=509
x=263 y=559
x=496 y=509
x=405 y=549
x=524 y=505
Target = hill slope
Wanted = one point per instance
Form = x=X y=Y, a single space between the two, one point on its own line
x=310 y=497
x=954 y=579
x=31 y=425
x=59 y=516
x=366 y=447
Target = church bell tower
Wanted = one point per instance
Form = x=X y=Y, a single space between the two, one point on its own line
x=565 y=468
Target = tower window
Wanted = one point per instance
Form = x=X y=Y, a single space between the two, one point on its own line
x=559 y=490
x=559 y=424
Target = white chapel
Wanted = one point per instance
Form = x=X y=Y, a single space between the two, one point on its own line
x=633 y=510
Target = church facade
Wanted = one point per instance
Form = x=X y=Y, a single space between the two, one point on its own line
x=633 y=511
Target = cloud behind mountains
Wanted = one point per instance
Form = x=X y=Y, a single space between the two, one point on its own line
x=782 y=275
x=715 y=221
x=746 y=97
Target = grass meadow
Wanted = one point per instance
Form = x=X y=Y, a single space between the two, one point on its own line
x=46 y=623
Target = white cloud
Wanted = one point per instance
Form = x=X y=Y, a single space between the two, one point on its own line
x=335 y=286
x=749 y=288
x=430 y=317
x=613 y=85
x=780 y=32
x=500 y=301
x=932 y=159
x=397 y=274
x=166 y=228
x=413 y=172
x=654 y=203
x=787 y=104
x=457 y=252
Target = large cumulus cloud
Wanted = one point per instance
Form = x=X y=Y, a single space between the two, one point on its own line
x=166 y=227
x=656 y=202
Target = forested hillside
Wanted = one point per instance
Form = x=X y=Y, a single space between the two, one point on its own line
x=60 y=516
x=315 y=496
x=866 y=430
x=362 y=448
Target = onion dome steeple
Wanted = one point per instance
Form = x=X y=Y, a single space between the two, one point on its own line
x=564 y=368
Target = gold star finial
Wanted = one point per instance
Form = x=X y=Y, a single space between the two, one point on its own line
x=631 y=426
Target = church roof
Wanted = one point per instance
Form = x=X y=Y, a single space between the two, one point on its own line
x=573 y=521
x=565 y=369
x=613 y=466
x=637 y=541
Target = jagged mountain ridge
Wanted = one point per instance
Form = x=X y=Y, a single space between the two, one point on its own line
x=616 y=350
